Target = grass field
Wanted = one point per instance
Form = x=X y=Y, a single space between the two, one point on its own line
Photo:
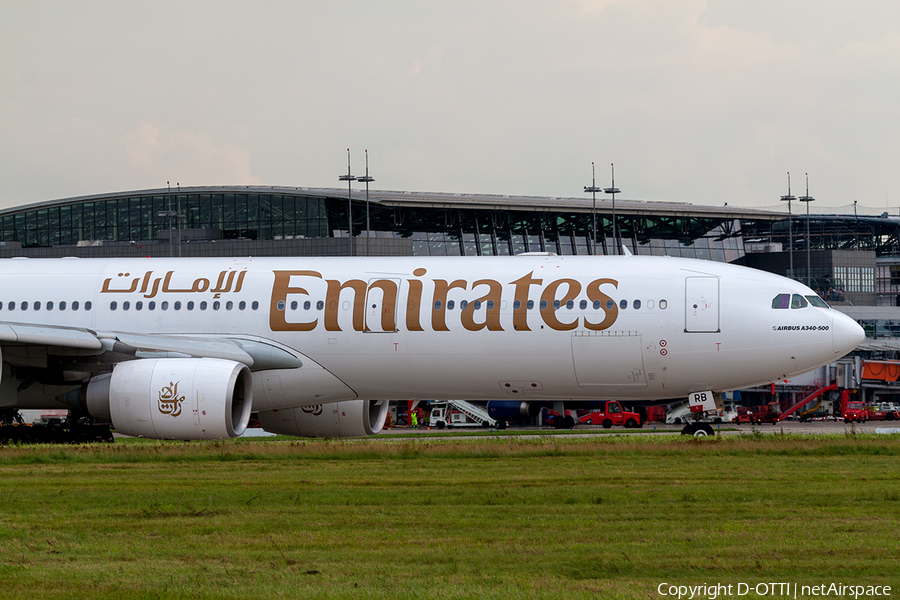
x=603 y=517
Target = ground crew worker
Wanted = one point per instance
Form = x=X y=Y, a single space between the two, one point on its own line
x=415 y=420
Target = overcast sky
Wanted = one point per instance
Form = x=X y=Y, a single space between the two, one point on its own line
x=703 y=101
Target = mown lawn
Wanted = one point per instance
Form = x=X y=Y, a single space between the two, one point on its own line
x=605 y=517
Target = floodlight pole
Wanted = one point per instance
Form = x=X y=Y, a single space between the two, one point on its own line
x=807 y=199
x=349 y=179
x=614 y=190
x=788 y=199
x=367 y=179
x=178 y=216
x=593 y=189
x=169 y=214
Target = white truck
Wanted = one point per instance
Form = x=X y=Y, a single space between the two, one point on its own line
x=682 y=414
x=459 y=413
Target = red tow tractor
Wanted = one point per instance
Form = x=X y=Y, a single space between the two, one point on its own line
x=611 y=413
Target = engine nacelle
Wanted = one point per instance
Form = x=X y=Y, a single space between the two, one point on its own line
x=352 y=418
x=174 y=398
x=512 y=410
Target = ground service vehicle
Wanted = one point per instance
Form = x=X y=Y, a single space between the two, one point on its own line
x=613 y=414
x=458 y=413
x=853 y=410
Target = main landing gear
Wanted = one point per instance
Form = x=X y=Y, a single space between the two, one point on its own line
x=698 y=430
x=73 y=430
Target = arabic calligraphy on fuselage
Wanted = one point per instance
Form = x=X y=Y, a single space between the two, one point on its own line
x=150 y=286
x=413 y=296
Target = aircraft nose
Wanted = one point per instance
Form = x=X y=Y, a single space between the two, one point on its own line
x=846 y=334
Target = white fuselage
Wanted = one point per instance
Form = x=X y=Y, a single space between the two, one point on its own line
x=448 y=328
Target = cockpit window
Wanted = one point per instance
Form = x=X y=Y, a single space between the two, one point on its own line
x=816 y=301
x=799 y=301
x=781 y=301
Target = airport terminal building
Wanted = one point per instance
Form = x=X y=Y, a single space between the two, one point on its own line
x=283 y=221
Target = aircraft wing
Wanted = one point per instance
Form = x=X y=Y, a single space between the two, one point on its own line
x=30 y=345
x=18 y=334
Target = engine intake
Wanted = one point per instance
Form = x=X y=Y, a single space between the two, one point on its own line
x=174 y=398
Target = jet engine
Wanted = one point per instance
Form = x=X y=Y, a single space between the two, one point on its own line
x=512 y=410
x=351 y=418
x=174 y=398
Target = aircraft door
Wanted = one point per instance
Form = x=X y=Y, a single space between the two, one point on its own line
x=608 y=359
x=701 y=307
x=381 y=305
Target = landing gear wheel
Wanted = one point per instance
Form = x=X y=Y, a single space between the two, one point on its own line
x=698 y=430
x=570 y=422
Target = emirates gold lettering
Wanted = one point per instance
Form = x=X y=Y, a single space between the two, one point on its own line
x=414 y=302
x=492 y=311
x=548 y=303
x=169 y=400
x=280 y=290
x=123 y=283
x=343 y=298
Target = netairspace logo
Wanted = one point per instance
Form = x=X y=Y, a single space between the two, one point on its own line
x=776 y=590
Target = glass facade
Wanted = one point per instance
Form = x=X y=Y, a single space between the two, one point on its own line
x=479 y=232
x=235 y=215
x=435 y=228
